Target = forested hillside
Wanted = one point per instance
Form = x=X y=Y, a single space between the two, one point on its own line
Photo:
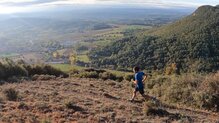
x=192 y=44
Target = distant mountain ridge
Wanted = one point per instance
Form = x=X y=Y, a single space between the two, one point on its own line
x=192 y=43
x=204 y=16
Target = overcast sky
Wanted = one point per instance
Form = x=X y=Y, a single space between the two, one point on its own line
x=12 y=6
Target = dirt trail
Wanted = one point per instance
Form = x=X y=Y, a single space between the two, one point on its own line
x=87 y=100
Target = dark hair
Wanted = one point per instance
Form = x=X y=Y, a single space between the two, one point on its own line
x=136 y=68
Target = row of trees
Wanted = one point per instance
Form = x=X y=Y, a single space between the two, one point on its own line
x=9 y=69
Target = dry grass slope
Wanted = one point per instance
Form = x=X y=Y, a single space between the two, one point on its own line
x=86 y=100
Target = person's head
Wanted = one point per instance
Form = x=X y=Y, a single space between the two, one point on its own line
x=136 y=69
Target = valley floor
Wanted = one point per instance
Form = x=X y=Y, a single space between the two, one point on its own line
x=86 y=100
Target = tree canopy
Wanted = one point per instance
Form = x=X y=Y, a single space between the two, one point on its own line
x=192 y=43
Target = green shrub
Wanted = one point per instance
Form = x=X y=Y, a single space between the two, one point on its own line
x=11 y=94
x=158 y=80
x=88 y=75
x=9 y=68
x=94 y=70
x=12 y=71
x=94 y=73
x=13 y=79
x=43 y=70
x=74 y=71
x=193 y=90
x=43 y=77
x=129 y=77
x=210 y=92
x=53 y=71
x=108 y=75
x=119 y=78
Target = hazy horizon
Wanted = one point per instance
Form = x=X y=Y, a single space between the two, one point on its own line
x=25 y=6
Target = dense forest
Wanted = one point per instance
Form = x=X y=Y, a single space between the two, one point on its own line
x=191 y=44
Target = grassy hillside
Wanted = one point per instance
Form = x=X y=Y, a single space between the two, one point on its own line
x=87 y=100
x=203 y=20
x=192 y=44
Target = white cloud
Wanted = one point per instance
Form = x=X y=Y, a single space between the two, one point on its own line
x=159 y=3
x=12 y=6
x=70 y=2
x=140 y=2
x=15 y=1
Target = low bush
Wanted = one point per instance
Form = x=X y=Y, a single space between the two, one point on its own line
x=44 y=70
x=11 y=94
x=71 y=105
x=151 y=110
x=12 y=71
x=94 y=70
x=194 y=90
x=43 y=77
x=108 y=75
x=129 y=77
x=96 y=73
x=8 y=69
x=88 y=75
x=119 y=78
x=73 y=71
x=209 y=91
x=13 y=79
x=22 y=105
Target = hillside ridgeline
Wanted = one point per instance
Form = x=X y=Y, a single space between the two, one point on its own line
x=192 y=43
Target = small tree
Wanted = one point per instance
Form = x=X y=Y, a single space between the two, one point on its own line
x=73 y=58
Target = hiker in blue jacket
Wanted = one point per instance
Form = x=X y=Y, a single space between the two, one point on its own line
x=140 y=77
